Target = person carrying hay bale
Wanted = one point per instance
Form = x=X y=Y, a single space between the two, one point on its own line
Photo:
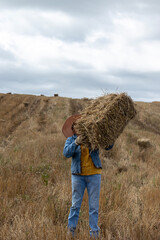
x=86 y=173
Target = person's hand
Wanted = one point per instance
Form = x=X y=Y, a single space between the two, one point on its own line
x=78 y=140
x=110 y=147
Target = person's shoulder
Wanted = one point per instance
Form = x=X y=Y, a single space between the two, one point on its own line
x=73 y=137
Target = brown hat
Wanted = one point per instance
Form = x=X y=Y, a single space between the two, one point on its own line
x=67 y=127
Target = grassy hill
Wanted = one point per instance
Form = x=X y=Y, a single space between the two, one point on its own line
x=35 y=178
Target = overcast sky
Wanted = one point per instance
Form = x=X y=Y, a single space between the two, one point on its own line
x=80 y=48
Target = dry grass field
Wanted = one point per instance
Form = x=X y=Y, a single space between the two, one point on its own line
x=35 y=178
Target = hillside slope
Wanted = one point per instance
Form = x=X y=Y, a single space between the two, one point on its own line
x=35 y=185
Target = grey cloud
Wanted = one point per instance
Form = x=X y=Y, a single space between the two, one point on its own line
x=144 y=79
x=77 y=66
x=6 y=55
x=138 y=77
x=142 y=86
x=37 y=23
x=80 y=83
x=75 y=32
x=83 y=81
x=83 y=7
x=70 y=5
x=88 y=16
x=31 y=82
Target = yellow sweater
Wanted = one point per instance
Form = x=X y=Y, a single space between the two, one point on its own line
x=87 y=166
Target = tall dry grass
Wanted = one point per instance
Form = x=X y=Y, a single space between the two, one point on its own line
x=35 y=179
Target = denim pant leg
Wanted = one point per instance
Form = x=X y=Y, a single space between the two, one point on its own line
x=93 y=188
x=78 y=187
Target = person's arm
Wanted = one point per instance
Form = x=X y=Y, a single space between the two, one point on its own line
x=69 y=148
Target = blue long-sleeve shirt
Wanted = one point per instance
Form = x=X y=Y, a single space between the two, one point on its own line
x=74 y=151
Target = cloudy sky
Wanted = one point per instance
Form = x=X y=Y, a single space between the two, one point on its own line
x=80 y=48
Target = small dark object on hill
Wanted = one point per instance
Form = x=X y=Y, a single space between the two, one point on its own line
x=26 y=104
x=121 y=169
x=46 y=100
x=144 y=143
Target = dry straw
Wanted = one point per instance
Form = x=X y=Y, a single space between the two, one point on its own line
x=104 y=120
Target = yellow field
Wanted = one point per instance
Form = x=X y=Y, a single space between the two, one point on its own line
x=35 y=177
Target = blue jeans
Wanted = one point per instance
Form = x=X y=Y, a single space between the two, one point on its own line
x=79 y=183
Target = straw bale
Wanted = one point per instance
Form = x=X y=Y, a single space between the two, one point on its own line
x=104 y=119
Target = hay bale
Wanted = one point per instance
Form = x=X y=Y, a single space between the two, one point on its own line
x=104 y=119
